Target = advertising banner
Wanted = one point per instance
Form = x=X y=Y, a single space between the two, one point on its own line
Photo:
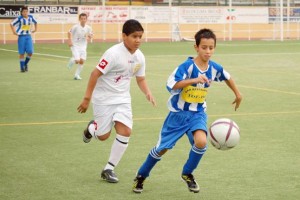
x=153 y=14
x=294 y=14
x=198 y=15
x=54 y=14
x=181 y=15
x=242 y=15
x=108 y=14
x=9 y=12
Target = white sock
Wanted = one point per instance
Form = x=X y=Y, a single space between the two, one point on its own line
x=72 y=61
x=92 y=129
x=79 y=69
x=118 y=148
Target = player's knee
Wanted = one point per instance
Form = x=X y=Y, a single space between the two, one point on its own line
x=162 y=152
x=201 y=144
x=103 y=137
x=81 y=62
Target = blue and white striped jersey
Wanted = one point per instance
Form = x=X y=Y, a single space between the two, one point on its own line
x=23 y=25
x=192 y=98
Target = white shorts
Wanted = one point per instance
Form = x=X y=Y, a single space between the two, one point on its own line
x=106 y=115
x=78 y=53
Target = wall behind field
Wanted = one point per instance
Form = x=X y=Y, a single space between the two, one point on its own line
x=161 y=23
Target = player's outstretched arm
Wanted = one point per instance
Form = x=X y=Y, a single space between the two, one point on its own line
x=142 y=83
x=238 y=96
x=82 y=108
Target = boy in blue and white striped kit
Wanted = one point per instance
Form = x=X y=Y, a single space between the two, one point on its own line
x=188 y=86
x=22 y=27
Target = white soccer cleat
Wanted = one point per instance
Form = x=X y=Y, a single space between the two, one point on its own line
x=77 y=77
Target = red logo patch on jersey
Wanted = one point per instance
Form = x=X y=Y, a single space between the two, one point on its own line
x=102 y=64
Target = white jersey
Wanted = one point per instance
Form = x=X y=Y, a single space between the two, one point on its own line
x=80 y=35
x=118 y=66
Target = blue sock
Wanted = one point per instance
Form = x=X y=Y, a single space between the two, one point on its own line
x=22 y=64
x=193 y=160
x=150 y=162
x=27 y=60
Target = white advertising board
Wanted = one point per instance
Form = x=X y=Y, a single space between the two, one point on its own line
x=54 y=14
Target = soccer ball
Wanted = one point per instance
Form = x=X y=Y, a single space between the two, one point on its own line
x=224 y=134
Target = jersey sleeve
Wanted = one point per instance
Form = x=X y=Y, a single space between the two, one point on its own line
x=106 y=62
x=72 y=29
x=221 y=73
x=90 y=31
x=179 y=74
x=141 y=70
x=15 y=21
x=33 y=19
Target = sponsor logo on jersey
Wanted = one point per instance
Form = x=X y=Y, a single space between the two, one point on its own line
x=118 y=78
x=136 y=68
x=103 y=63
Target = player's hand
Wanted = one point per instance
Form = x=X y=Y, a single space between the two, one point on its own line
x=70 y=44
x=82 y=108
x=90 y=36
x=237 y=102
x=202 y=79
x=151 y=99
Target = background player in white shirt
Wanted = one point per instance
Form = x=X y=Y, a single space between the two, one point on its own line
x=109 y=88
x=78 y=36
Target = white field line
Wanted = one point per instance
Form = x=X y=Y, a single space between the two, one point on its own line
x=153 y=118
x=157 y=56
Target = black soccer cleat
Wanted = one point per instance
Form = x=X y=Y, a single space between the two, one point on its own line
x=191 y=183
x=138 y=184
x=87 y=136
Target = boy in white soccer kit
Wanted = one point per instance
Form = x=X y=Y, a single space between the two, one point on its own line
x=119 y=66
x=78 y=36
x=109 y=87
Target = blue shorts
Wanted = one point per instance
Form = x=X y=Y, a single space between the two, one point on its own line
x=25 y=44
x=179 y=123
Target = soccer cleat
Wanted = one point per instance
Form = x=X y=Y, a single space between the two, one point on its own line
x=77 y=77
x=109 y=176
x=191 y=183
x=87 y=136
x=26 y=68
x=70 y=64
x=138 y=184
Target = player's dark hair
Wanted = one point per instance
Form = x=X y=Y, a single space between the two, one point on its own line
x=205 y=33
x=83 y=15
x=131 y=26
x=24 y=8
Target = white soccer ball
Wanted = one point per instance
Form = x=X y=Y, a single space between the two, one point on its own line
x=224 y=134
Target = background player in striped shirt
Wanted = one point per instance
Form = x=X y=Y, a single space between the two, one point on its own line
x=109 y=89
x=188 y=86
x=78 y=36
x=23 y=26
